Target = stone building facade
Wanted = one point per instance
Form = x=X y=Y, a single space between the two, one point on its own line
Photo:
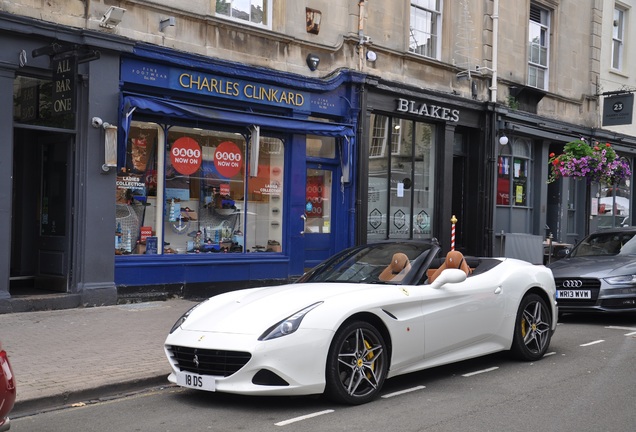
x=220 y=144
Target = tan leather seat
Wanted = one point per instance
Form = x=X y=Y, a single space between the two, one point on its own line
x=397 y=269
x=454 y=259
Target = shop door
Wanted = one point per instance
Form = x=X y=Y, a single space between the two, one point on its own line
x=41 y=223
x=319 y=220
x=459 y=201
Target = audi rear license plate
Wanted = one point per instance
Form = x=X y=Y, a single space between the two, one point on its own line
x=196 y=381
x=574 y=294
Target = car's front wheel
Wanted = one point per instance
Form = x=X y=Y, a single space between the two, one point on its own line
x=357 y=364
x=532 y=331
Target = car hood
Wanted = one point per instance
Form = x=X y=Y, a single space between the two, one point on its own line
x=252 y=311
x=597 y=266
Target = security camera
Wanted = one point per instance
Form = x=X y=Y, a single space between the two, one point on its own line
x=96 y=122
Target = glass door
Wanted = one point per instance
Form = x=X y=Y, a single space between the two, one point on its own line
x=320 y=187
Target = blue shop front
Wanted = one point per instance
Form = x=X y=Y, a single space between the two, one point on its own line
x=229 y=175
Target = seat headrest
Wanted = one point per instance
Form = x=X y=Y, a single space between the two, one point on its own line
x=399 y=262
x=454 y=259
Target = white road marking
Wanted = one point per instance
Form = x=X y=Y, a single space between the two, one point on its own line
x=621 y=328
x=593 y=343
x=481 y=371
x=549 y=354
x=631 y=334
x=301 y=418
x=401 y=392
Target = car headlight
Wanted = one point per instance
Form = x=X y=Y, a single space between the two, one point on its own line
x=183 y=317
x=621 y=280
x=288 y=325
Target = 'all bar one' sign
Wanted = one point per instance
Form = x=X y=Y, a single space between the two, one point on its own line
x=64 y=73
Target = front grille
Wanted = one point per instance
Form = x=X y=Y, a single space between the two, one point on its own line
x=208 y=362
x=591 y=284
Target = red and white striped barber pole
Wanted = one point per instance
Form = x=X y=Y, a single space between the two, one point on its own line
x=453 y=222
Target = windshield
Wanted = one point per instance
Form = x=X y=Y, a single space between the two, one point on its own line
x=606 y=244
x=376 y=263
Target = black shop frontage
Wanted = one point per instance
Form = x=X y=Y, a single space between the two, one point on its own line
x=425 y=161
x=53 y=190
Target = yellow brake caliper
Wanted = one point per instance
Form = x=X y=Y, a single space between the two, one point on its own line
x=523 y=327
x=370 y=356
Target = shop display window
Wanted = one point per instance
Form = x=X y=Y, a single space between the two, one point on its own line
x=191 y=191
x=401 y=182
x=136 y=193
x=513 y=167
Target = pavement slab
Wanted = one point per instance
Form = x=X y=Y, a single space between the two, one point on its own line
x=68 y=356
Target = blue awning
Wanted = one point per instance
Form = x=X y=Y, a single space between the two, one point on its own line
x=152 y=105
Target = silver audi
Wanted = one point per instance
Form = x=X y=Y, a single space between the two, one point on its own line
x=599 y=273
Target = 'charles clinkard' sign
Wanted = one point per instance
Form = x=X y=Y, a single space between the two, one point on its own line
x=213 y=85
x=427 y=110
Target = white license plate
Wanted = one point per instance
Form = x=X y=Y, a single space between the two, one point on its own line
x=574 y=294
x=196 y=381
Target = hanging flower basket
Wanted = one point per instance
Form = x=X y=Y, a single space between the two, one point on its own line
x=598 y=163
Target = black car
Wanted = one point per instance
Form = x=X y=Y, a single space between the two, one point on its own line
x=599 y=274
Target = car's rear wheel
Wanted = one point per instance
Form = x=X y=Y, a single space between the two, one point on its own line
x=357 y=364
x=532 y=331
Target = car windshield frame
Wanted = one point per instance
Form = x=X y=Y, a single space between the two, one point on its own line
x=364 y=264
x=606 y=244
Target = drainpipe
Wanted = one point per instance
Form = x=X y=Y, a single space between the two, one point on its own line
x=491 y=176
x=362 y=39
x=495 y=48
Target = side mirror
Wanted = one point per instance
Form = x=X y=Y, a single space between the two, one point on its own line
x=562 y=253
x=449 y=276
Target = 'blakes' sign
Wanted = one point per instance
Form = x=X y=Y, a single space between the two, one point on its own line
x=64 y=73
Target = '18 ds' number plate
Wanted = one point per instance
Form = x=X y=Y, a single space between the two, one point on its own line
x=196 y=381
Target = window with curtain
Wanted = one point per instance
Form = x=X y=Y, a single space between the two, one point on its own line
x=538 y=47
x=426 y=28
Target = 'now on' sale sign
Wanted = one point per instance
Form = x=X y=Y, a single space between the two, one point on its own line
x=228 y=159
x=185 y=155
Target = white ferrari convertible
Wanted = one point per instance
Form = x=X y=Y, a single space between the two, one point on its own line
x=368 y=313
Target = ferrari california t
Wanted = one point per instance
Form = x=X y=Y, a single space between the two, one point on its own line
x=368 y=313
x=599 y=274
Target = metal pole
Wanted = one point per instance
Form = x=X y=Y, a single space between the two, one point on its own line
x=453 y=222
